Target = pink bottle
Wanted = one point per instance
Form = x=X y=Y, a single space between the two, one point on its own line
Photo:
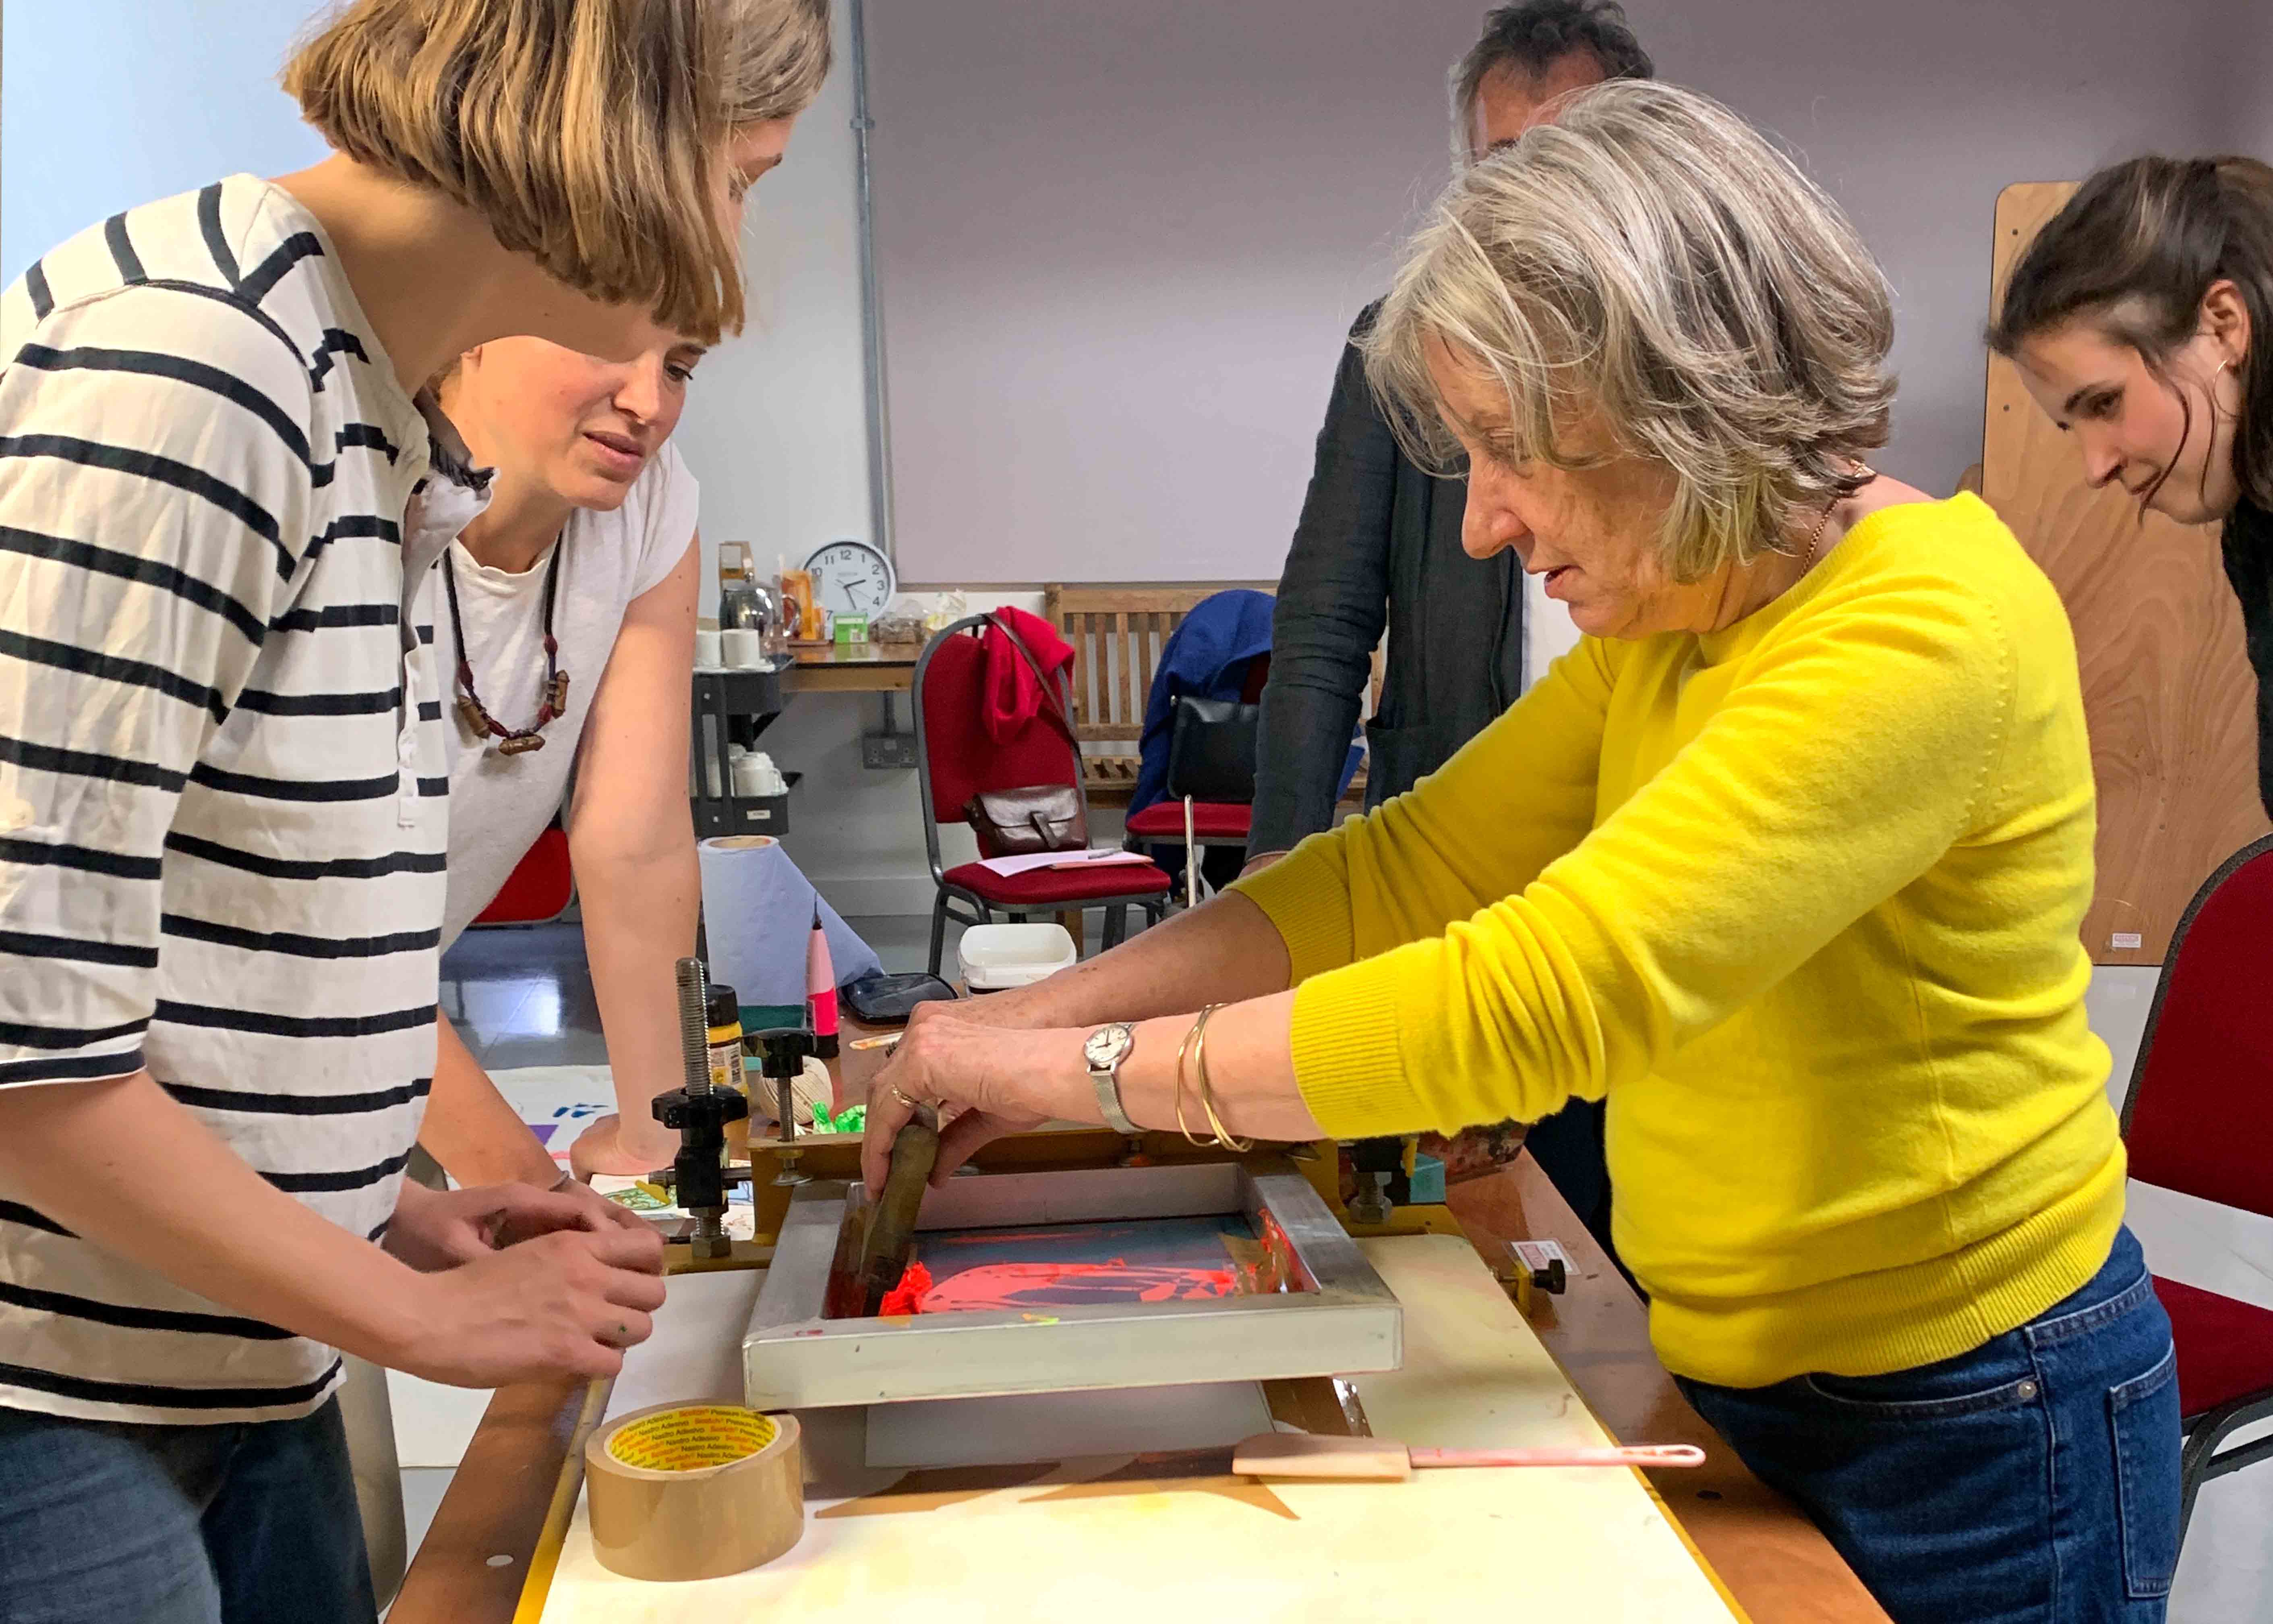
x=821 y=990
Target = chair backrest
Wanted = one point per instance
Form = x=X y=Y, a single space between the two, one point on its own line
x=955 y=757
x=541 y=886
x=1117 y=633
x=2199 y=1117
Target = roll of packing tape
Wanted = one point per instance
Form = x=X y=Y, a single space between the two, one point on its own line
x=694 y=1491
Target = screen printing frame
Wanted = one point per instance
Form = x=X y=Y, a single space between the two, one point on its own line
x=1348 y=1321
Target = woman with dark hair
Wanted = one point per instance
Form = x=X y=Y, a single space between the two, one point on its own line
x=2135 y=319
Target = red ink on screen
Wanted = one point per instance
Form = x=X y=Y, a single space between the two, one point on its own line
x=1067 y=1285
x=907 y=1297
x=1065 y=1266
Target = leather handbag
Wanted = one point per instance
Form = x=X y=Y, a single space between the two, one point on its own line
x=1212 y=749
x=1040 y=817
x=1033 y=817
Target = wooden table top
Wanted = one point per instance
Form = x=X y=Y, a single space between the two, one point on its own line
x=1780 y=1569
x=851 y=667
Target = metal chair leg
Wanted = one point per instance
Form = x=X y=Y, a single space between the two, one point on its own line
x=2194 y=1469
x=1117 y=924
x=2198 y=1457
x=938 y=930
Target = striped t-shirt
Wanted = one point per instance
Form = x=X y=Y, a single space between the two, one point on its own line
x=223 y=775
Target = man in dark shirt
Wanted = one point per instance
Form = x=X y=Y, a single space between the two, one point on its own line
x=1378 y=546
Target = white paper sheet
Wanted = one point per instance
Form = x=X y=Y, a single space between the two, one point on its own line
x=1008 y=867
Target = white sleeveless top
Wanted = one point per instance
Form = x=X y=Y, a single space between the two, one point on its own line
x=499 y=804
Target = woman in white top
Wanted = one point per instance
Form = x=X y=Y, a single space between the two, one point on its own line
x=590 y=532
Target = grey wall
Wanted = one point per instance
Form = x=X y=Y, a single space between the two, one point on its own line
x=1915 y=116
x=1120 y=244
x=2249 y=83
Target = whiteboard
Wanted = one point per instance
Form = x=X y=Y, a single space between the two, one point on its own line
x=1120 y=248
x=1119 y=242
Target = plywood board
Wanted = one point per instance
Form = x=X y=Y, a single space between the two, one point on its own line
x=2167 y=688
x=1147 y=1537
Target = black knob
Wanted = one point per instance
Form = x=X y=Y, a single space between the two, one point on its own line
x=712 y=1111
x=782 y=1051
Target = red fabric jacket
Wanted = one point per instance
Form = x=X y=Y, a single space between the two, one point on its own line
x=1013 y=697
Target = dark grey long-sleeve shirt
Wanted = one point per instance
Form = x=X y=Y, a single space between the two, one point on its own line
x=1378 y=545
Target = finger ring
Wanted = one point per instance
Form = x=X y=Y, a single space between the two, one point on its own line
x=897 y=1094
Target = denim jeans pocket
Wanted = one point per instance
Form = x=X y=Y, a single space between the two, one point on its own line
x=2143 y=1417
x=1891 y=1398
x=1998 y=1375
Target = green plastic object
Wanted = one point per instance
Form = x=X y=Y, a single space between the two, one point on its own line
x=853 y=1120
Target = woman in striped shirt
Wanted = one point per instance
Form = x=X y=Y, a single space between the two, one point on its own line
x=222 y=779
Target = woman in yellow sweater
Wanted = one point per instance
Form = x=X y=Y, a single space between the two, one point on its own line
x=1785 y=860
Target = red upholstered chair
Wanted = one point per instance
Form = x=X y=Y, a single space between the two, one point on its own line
x=956 y=760
x=2199 y=1119
x=1214 y=823
x=540 y=887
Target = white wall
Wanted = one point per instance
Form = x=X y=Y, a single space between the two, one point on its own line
x=775 y=427
x=107 y=103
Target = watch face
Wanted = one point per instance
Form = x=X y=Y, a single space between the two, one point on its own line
x=1106 y=1045
x=851 y=577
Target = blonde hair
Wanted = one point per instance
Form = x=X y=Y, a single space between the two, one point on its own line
x=587 y=133
x=1650 y=262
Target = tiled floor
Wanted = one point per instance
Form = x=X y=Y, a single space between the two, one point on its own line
x=522 y=997
x=421 y=1494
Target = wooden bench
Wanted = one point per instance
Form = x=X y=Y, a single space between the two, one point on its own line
x=1117 y=632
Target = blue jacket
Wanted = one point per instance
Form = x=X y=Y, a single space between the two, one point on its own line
x=1206 y=655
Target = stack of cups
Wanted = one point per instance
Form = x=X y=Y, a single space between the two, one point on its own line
x=753 y=773
x=709 y=651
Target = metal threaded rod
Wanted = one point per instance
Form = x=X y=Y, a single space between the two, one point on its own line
x=710 y=1238
x=694 y=1025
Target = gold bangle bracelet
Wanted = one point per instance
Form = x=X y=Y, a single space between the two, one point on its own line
x=1183 y=1053
x=1223 y=1135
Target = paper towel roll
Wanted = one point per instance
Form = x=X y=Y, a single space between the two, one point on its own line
x=757 y=919
x=694 y=1491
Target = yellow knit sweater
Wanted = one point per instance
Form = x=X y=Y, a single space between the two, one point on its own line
x=1801 y=898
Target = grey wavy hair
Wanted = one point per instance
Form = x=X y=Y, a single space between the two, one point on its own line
x=1650 y=262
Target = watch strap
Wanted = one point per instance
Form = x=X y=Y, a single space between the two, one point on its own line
x=1106 y=1081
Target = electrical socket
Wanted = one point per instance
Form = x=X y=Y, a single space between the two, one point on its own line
x=888 y=750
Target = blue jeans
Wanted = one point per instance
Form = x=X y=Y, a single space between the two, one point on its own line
x=2034 y=1480
x=245 y=1523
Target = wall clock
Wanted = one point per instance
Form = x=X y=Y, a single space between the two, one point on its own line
x=851 y=577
